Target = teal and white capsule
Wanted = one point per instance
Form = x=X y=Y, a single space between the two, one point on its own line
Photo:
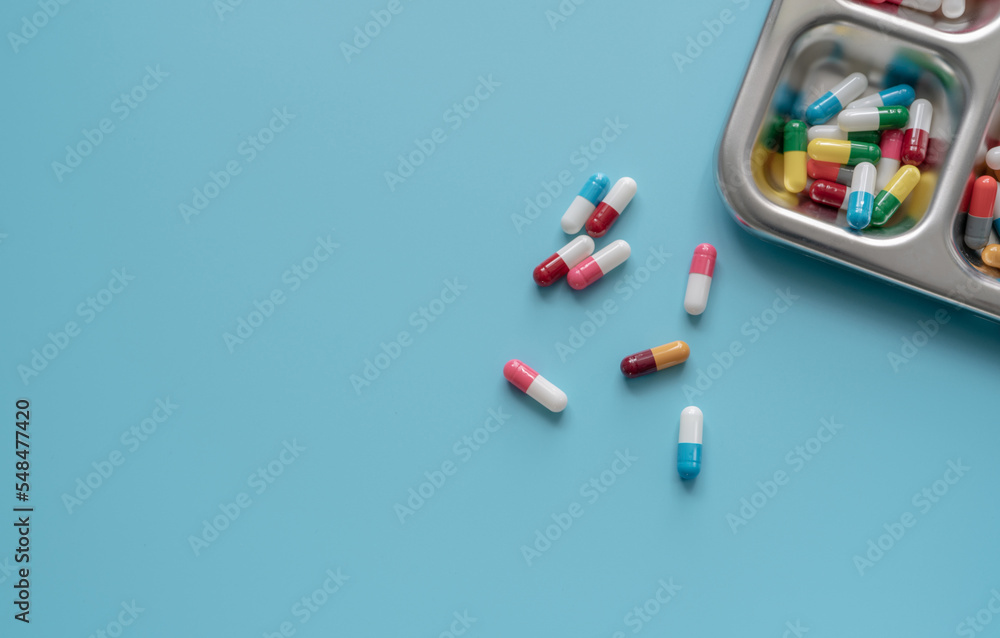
x=584 y=204
x=689 y=443
x=834 y=100
x=873 y=118
x=899 y=95
x=862 y=198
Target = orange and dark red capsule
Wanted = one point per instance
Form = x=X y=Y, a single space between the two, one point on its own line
x=655 y=359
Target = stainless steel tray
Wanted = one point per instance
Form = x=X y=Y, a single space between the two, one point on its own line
x=927 y=254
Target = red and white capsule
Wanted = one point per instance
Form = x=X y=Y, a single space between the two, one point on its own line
x=700 y=279
x=891 y=145
x=917 y=133
x=535 y=385
x=611 y=207
x=599 y=264
x=552 y=269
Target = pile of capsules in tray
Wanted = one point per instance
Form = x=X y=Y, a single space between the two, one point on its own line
x=875 y=146
x=867 y=164
x=596 y=208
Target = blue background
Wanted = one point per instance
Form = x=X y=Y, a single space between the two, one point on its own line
x=334 y=505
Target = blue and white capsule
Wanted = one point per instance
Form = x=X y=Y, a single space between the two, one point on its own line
x=689 y=443
x=862 y=198
x=899 y=95
x=834 y=100
x=584 y=204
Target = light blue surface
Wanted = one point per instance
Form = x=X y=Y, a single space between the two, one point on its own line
x=819 y=434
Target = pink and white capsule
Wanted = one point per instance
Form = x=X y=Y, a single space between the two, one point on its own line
x=535 y=385
x=599 y=264
x=700 y=279
x=891 y=146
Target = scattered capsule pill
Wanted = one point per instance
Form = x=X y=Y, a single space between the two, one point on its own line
x=979 y=221
x=991 y=255
x=953 y=8
x=873 y=118
x=689 y=442
x=550 y=270
x=899 y=95
x=862 y=198
x=834 y=100
x=599 y=264
x=830 y=172
x=795 y=156
x=891 y=146
x=993 y=158
x=700 y=279
x=584 y=204
x=829 y=193
x=611 y=207
x=841 y=152
x=834 y=132
x=917 y=133
x=655 y=359
x=535 y=385
x=888 y=200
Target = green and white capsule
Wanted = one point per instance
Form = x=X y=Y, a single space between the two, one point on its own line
x=873 y=118
x=834 y=132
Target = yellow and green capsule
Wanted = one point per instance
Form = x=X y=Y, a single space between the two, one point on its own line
x=844 y=152
x=895 y=192
x=795 y=144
